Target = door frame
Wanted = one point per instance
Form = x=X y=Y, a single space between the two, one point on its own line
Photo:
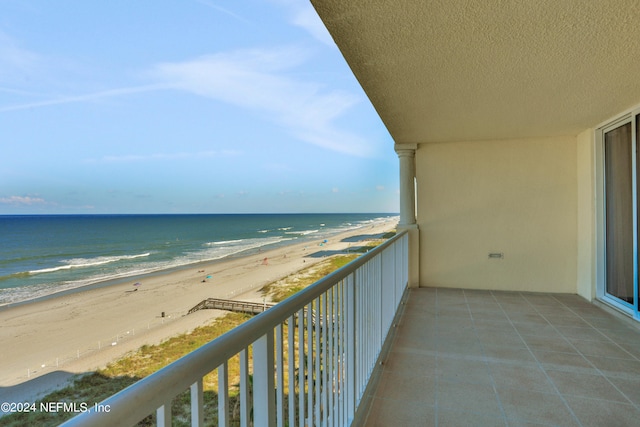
x=631 y=117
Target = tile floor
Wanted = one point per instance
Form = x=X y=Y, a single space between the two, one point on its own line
x=485 y=358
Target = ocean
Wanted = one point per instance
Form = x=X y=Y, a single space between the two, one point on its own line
x=44 y=254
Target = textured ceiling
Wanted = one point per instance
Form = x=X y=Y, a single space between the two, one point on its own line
x=451 y=70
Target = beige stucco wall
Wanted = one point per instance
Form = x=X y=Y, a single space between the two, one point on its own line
x=586 y=256
x=517 y=197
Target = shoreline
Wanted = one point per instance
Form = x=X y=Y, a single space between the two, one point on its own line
x=197 y=264
x=81 y=329
x=126 y=279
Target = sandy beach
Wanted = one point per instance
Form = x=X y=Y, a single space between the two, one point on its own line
x=45 y=342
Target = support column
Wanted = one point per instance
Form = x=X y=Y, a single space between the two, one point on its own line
x=407 y=156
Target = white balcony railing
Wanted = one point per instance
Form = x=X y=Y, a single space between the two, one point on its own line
x=304 y=362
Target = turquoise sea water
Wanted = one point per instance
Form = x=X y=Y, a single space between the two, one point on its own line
x=44 y=254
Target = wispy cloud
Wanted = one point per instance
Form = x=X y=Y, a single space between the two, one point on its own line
x=20 y=92
x=88 y=97
x=126 y=158
x=26 y=72
x=261 y=80
x=303 y=15
x=15 y=60
x=212 y=5
x=22 y=200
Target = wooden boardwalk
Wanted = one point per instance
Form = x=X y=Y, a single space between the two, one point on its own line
x=231 y=305
x=244 y=307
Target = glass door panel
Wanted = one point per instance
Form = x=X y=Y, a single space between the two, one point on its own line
x=619 y=213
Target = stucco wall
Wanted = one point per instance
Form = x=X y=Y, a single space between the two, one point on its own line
x=586 y=257
x=516 y=197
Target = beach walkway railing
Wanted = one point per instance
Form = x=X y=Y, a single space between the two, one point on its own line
x=231 y=305
x=292 y=370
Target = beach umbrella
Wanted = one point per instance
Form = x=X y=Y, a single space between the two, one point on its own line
x=209 y=277
x=137 y=284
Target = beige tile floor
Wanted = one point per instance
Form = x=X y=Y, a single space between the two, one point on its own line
x=485 y=358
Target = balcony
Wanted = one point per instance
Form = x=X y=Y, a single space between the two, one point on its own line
x=306 y=361
x=366 y=350
x=489 y=358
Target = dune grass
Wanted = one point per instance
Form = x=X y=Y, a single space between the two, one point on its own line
x=96 y=386
x=287 y=286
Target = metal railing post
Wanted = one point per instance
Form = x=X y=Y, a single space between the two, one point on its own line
x=223 y=395
x=301 y=369
x=350 y=347
x=280 y=375
x=291 y=364
x=163 y=415
x=264 y=398
x=197 y=403
x=245 y=410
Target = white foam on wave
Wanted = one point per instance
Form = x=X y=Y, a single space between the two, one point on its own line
x=211 y=252
x=88 y=262
x=24 y=293
x=214 y=252
x=224 y=242
x=302 y=232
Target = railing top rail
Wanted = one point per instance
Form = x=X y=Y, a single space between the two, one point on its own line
x=158 y=388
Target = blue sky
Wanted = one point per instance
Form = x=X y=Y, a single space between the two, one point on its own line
x=192 y=106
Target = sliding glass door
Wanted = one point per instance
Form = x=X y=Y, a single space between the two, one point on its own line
x=621 y=213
